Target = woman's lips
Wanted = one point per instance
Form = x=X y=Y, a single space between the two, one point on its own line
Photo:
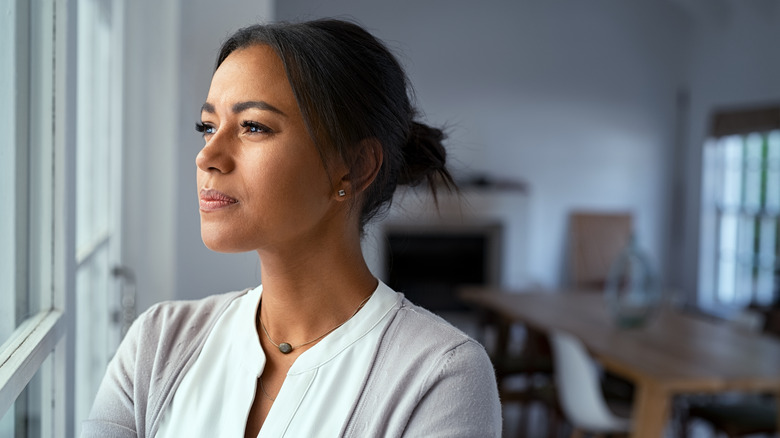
x=212 y=200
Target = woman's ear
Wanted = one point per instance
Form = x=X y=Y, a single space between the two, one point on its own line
x=363 y=170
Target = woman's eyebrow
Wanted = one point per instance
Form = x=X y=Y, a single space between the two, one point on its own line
x=259 y=104
x=243 y=106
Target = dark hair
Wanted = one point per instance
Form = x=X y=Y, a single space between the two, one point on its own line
x=350 y=88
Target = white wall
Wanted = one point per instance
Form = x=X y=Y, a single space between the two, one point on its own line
x=576 y=98
x=151 y=100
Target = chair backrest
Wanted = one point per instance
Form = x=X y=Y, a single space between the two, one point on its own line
x=596 y=241
x=579 y=387
x=772 y=321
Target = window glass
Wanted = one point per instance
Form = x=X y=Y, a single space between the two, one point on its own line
x=28 y=414
x=26 y=93
x=98 y=196
x=87 y=129
x=744 y=181
x=29 y=326
x=13 y=169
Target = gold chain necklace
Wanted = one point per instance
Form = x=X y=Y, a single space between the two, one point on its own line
x=262 y=388
x=286 y=348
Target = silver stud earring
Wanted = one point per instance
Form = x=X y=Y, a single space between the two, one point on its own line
x=342 y=193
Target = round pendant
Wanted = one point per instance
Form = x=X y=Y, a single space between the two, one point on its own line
x=285 y=348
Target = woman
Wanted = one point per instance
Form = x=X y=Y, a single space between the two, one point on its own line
x=308 y=130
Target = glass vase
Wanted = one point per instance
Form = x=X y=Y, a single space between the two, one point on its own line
x=631 y=289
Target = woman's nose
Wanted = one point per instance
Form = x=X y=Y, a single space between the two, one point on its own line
x=216 y=155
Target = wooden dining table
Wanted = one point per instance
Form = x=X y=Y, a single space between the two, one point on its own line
x=673 y=353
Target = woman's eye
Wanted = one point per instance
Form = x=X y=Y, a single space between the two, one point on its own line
x=255 y=127
x=205 y=128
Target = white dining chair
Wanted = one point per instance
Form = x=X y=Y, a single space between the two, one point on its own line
x=579 y=389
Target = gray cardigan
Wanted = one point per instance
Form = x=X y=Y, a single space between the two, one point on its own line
x=427 y=378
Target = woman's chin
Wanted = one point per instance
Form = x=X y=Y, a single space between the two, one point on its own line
x=222 y=244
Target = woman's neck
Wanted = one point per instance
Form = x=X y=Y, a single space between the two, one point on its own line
x=306 y=293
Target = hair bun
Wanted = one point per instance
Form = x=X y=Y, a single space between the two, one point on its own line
x=424 y=157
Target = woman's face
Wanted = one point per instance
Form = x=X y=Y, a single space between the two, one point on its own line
x=261 y=181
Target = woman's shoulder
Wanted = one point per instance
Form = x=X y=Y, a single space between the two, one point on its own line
x=425 y=327
x=170 y=326
x=178 y=311
x=423 y=364
x=420 y=340
x=149 y=362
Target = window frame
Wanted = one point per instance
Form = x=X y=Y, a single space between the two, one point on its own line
x=48 y=197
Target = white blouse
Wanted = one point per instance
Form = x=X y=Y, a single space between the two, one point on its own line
x=216 y=394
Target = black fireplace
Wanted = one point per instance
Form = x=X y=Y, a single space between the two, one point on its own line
x=430 y=263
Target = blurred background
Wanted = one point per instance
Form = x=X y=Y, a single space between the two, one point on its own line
x=665 y=110
x=597 y=105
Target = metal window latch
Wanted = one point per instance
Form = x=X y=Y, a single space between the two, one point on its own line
x=127 y=306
